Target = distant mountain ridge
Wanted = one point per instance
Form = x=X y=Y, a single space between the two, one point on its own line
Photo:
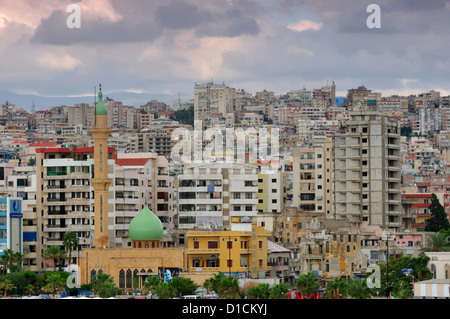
x=25 y=101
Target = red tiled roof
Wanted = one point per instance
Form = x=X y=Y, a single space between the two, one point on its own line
x=131 y=161
x=20 y=142
x=44 y=144
x=111 y=150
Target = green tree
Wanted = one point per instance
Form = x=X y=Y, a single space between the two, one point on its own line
x=278 y=291
x=403 y=291
x=30 y=289
x=183 y=286
x=6 y=260
x=438 y=242
x=419 y=266
x=5 y=285
x=103 y=286
x=54 y=283
x=406 y=131
x=438 y=219
x=70 y=242
x=358 y=289
x=262 y=291
x=151 y=283
x=23 y=279
x=225 y=287
x=184 y=116
x=165 y=291
x=308 y=284
x=336 y=289
x=54 y=252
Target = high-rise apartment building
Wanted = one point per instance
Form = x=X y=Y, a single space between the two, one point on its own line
x=65 y=195
x=220 y=195
x=143 y=180
x=212 y=98
x=367 y=171
x=312 y=178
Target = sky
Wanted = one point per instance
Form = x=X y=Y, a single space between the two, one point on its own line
x=166 y=46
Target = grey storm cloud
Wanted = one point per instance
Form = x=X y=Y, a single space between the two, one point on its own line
x=54 y=30
x=146 y=23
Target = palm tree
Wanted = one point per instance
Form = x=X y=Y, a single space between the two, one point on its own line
x=29 y=289
x=16 y=261
x=104 y=286
x=70 y=242
x=54 y=282
x=6 y=285
x=308 y=284
x=358 y=289
x=151 y=283
x=278 y=291
x=336 y=289
x=438 y=242
x=6 y=259
x=54 y=252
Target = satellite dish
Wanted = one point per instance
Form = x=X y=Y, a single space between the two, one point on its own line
x=246 y=219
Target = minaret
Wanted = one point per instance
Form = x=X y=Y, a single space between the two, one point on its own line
x=100 y=181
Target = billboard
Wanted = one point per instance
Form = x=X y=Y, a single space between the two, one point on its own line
x=15 y=208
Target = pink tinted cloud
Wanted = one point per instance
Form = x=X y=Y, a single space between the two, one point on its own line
x=304 y=25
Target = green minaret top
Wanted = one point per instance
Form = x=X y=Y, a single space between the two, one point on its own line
x=100 y=108
x=145 y=226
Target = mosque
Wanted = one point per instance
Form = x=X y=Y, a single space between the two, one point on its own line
x=130 y=266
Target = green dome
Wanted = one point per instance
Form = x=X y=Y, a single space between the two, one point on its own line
x=145 y=226
x=100 y=108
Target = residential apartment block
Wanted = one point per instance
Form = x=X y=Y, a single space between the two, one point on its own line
x=367 y=171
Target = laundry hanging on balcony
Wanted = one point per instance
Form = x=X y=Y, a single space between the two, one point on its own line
x=210 y=188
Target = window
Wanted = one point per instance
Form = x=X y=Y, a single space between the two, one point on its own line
x=196 y=244
x=229 y=263
x=260 y=244
x=213 y=245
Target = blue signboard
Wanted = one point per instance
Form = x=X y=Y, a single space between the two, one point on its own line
x=15 y=208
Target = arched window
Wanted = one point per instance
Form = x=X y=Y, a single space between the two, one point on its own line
x=433 y=270
x=146 y=244
x=140 y=244
x=93 y=274
x=121 y=278
x=447 y=271
x=135 y=279
x=129 y=279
